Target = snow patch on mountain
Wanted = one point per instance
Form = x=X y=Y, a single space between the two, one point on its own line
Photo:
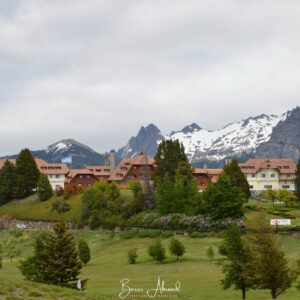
x=232 y=140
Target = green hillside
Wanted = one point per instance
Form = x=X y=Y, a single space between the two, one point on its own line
x=199 y=277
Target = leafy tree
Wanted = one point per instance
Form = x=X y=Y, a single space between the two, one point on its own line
x=56 y=260
x=221 y=200
x=132 y=255
x=84 y=251
x=7 y=182
x=27 y=174
x=269 y=265
x=210 y=253
x=236 y=267
x=157 y=251
x=44 y=188
x=297 y=181
x=286 y=196
x=168 y=156
x=176 y=248
x=237 y=177
x=270 y=195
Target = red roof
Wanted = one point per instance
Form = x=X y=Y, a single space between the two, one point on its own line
x=283 y=165
x=99 y=171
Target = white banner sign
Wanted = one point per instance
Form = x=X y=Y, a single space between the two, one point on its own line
x=284 y=222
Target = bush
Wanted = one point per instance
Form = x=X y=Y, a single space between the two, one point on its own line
x=129 y=234
x=16 y=232
x=59 y=192
x=157 y=251
x=210 y=253
x=148 y=233
x=196 y=234
x=167 y=234
x=60 y=206
x=84 y=251
x=132 y=255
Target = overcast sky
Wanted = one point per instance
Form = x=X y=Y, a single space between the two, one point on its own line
x=97 y=70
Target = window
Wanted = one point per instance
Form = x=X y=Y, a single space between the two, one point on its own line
x=251 y=187
x=272 y=175
x=263 y=175
x=80 y=176
x=57 y=187
x=285 y=186
x=88 y=176
x=57 y=176
x=268 y=186
x=253 y=175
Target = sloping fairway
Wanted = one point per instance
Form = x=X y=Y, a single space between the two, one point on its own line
x=199 y=277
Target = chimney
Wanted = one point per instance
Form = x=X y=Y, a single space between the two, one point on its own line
x=205 y=168
x=228 y=161
x=112 y=160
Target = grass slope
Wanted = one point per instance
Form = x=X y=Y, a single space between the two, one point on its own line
x=199 y=277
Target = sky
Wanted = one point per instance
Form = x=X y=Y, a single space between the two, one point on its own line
x=97 y=70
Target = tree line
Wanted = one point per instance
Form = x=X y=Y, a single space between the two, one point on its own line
x=23 y=179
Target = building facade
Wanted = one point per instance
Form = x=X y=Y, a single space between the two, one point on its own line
x=263 y=174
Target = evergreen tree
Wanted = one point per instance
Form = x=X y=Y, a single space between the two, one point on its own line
x=237 y=178
x=56 y=260
x=44 y=188
x=221 y=200
x=165 y=196
x=236 y=268
x=27 y=174
x=176 y=248
x=269 y=266
x=168 y=156
x=84 y=251
x=157 y=251
x=297 y=181
x=7 y=182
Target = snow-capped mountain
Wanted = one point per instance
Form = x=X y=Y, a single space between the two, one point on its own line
x=240 y=140
x=235 y=139
x=80 y=153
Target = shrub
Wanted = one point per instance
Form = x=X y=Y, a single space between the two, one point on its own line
x=60 y=206
x=16 y=232
x=157 y=251
x=132 y=255
x=167 y=234
x=196 y=234
x=148 y=233
x=84 y=251
x=129 y=234
x=210 y=253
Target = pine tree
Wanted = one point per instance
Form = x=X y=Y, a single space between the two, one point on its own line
x=176 y=248
x=269 y=266
x=237 y=178
x=297 y=181
x=56 y=260
x=44 y=188
x=236 y=267
x=84 y=251
x=221 y=200
x=7 y=182
x=168 y=156
x=27 y=174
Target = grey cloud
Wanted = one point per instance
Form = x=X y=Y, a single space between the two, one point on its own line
x=98 y=70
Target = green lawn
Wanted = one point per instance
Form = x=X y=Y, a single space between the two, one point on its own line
x=199 y=277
